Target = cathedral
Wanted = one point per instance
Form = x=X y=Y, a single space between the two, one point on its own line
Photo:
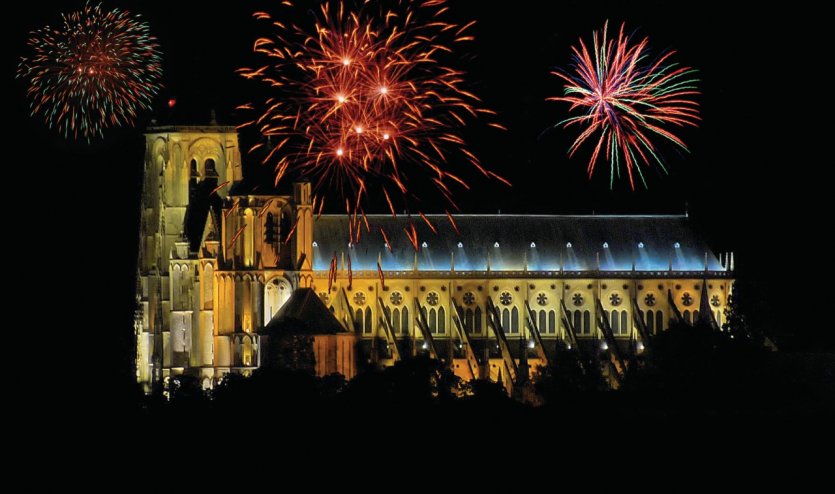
x=493 y=299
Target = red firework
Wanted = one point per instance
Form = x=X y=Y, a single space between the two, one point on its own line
x=364 y=103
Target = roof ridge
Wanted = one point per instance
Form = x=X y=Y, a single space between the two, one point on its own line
x=479 y=215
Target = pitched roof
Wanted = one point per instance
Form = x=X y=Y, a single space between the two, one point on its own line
x=202 y=203
x=304 y=313
x=544 y=243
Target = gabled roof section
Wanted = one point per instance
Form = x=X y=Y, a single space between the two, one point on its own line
x=212 y=228
x=304 y=313
x=202 y=202
x=513 y=242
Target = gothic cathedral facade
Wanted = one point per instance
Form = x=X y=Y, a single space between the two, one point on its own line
x=494 y=297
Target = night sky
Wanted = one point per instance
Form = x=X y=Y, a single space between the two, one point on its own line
x=752 y=171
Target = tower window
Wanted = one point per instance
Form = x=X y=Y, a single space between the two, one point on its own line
x=210 y=168
x=270 y=230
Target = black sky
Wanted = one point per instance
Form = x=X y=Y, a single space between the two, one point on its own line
x=752 y=171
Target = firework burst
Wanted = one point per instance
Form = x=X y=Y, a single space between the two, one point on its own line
x=627 y=101
x=365 y=104
x=96 y=71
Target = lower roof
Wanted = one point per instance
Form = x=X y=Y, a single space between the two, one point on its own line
x=516 y=242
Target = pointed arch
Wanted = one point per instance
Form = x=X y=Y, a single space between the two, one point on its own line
x=514 y=321
x=405 y=326
x=369 y=321
x=441 y=320
x=477 y=317
x=276 y=292
x=249 y=238
x=208 y=286
x=358 y=321
x=395 y=321
x=210 y=168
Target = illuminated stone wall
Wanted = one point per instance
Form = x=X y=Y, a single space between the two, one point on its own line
x=207 y=286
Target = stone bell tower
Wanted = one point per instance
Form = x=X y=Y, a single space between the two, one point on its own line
x=184 y=167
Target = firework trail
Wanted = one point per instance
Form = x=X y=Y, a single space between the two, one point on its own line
x=364 y=103
x=98 y=70
x=627 y=101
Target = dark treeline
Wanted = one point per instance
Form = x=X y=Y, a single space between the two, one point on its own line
x=693 y=373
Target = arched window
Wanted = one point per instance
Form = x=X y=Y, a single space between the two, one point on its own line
x=687 y=317
x=505 y=320
x=695 y=316
x=246 y=304
x=586 y=322
x=358 y=320
x=208 y=287
x=210 y=170
x=477 y=320
x=405 y=326
x=249 y=238
x=395 y=321
x=615 y=322
x=552 y=322
x=194 y=171
x=441 y=321
x=659 y=321
x=578 y=327
x=246 y=351
x=624 y=323
x=433 y=321
x=541 y=324
x=368 y=320
x=270 y=230
x=221 y=299
x=468 y=321
x=514 y=321
x=649 y=320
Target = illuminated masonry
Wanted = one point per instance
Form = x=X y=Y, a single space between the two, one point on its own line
x=215 y=265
